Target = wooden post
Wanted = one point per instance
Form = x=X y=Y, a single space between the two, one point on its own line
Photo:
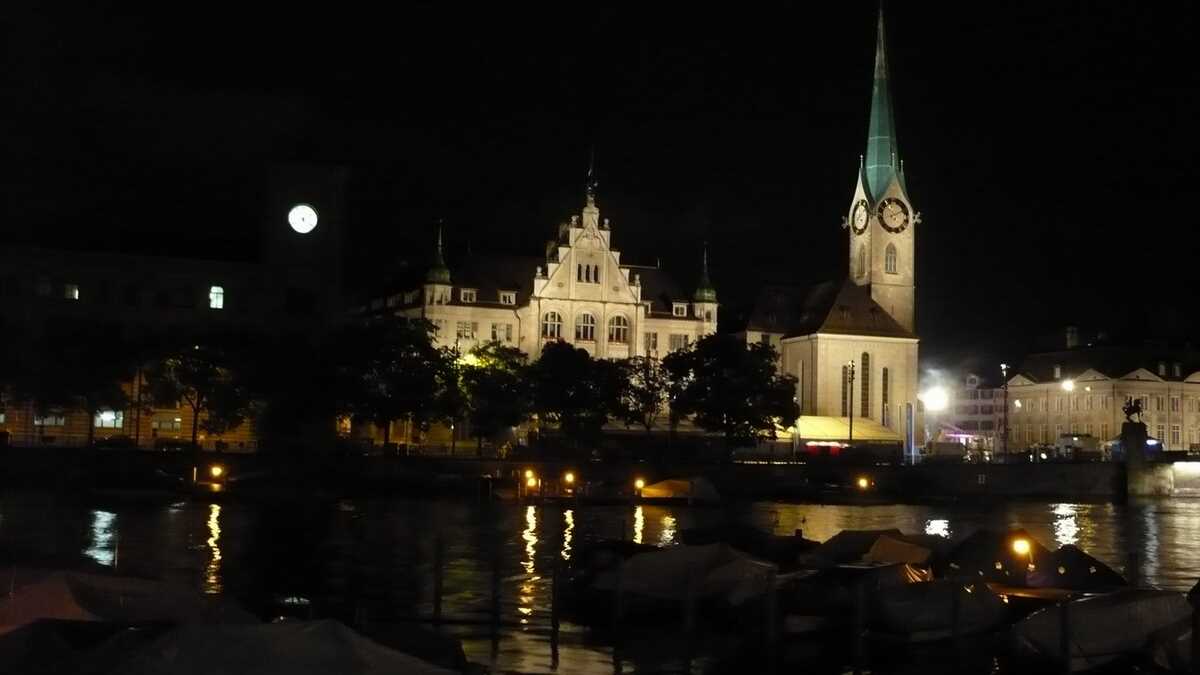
x=772 y=627
x=1195 y=640
x=439 y=555
x=554 y=581
x=1064 y=633
x=860 y=627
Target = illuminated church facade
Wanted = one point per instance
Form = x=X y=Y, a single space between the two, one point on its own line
x=851 y=343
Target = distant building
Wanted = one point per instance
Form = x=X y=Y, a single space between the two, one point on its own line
x=293 y=288
x=1081 y=389
x=973 y=416
x=867 y=319
x=579 y=292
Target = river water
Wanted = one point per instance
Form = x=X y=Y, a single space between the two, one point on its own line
x=373 y=559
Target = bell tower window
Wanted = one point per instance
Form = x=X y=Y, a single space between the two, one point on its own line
x=862 y=261
x=889 y=259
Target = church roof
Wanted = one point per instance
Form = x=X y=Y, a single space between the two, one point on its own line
x=883 y=150
x=829 y=307
x=1112 y=361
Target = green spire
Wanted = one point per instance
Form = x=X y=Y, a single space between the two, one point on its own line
x=883 y=152
x=704 y=288
x=438 y=272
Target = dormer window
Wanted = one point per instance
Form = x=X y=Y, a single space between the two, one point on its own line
x=508 y=297
x=466 y=295
x=1057 y=372
x=1178 y=369
x=1162 y=368
x=679 y=309
x=216 y=297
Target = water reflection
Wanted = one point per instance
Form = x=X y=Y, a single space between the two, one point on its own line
x=103 y=549
x=667 y=536
x=529 y=564
x=1066 y=529
x=939 y=527
x=639 y=524
x=212 y=572
x=568 y=531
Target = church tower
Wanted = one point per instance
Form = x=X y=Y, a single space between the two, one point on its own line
x=881 y=219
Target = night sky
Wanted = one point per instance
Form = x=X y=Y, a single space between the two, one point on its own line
x=1048 y=146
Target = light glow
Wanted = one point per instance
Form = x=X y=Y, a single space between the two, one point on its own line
x=216 y=471
x=935 y=399
x=569 y=478
x=302 y=218
x=639 y=484
x=531 y=482
x=1020 y=546
x=863 y=482
x=1068 y=385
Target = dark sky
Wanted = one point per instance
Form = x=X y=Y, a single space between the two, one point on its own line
x=1048 y=146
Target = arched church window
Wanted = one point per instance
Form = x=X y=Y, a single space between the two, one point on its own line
x=618 y=330
x=862 y=260
x=885 y=395
x=585 y=327
x=865 y=378
x=596 y=274
x=587 y=273
x=889 y=259
x=845 y=389
x=579 y=273
x=552 y=326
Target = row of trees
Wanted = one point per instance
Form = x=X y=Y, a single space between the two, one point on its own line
x=721 y=383
x=387 y=372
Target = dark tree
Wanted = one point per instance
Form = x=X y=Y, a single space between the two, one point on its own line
x=646 y=392
x=201 y=377
x=498 y=394
x=569 y=389
x=388 y=371
x=79 y=366
x=732 y=388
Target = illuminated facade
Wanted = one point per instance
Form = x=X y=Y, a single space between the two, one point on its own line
x=579 y=292
x=1081 y=391
x=869 y=317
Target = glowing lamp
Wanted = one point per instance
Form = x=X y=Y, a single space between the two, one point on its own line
x=569 y=477
x=216 y=470
x=639 y=484
x=302 y=218
x=935 y=399
x=863 y=482
x=531 y=482
x=1020 y=546
x=529 y=473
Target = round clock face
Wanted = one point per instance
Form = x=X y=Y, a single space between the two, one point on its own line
x=893 y=215
x=302 y=218
x=859 y=217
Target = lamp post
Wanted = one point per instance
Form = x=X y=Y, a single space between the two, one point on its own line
x=1004 y=439
x=850 y=398
x=1068 y=386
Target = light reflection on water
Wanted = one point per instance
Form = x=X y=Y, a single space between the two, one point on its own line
x=318 y=551
x=103 y=545
x=212 y=572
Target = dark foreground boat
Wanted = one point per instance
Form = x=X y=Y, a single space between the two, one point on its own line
x=936 y=610
x=1100 y=629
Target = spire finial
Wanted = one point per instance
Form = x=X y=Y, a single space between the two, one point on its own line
x=438 y=272
x=704 y=288
x=592 y=183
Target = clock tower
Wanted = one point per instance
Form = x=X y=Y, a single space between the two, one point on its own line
x=881 y=220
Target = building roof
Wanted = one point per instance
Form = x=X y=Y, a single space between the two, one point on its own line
x=1112 y=361
x=828 y=307
x=818 y=428
x=883 y=150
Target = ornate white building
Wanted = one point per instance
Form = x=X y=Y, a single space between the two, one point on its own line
x=866 y=319
x=579 y=291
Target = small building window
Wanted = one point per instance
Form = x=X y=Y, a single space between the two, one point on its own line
x=862 y=261
x=651 y=343
x=679 y=309
x=678 y=341
x=167 y=424
x=1178 y=369
x=508 y=298
x=552 y=326
x=109 y=419
x=216 y=297
x=466 y=295
x=502 y=332
x=466 y=330
x=1057 y=372
x=50 y=420
x=585 y=327
x=618 y=329
x=889 y=259
x=71 y=291
x=1162 y=368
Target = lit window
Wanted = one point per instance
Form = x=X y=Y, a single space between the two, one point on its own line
x=167 y=424
x=618 y=329
x=552 y=326
x=585 y=327
x=508 y=298
x=51 y=420
x=109 y=419
x=71 y=291
x=466 y=330
x=1162 y=369
x=502 y=332
x=889 y=259
x=1057 y=372
x=466 y=295
x=651 y=343
x=678 y=341
x=679 y=309
x=216 y=297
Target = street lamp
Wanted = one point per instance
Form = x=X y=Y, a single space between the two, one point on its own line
x=850 y=399
x=1068 y=386
x=1004 y=375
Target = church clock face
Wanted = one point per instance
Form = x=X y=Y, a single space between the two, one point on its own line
x=302 y=218
x=893 y=215
x=859 y=217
